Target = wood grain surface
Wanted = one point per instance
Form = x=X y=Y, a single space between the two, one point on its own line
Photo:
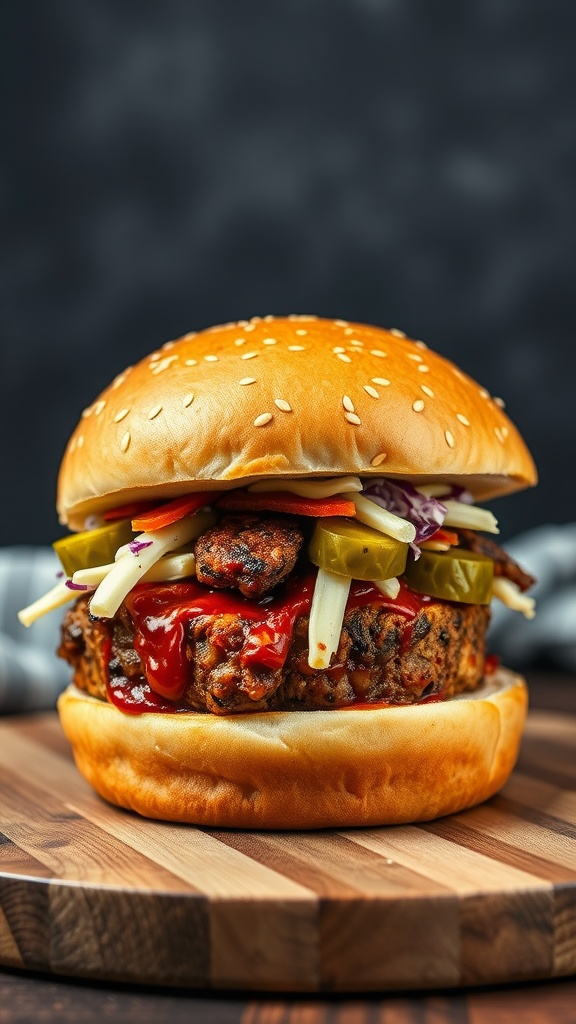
x=485 y=896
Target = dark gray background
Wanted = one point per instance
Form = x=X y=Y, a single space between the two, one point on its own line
x=172 y=164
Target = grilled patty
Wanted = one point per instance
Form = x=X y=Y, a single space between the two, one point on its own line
x=251 y=553
x=382 y=656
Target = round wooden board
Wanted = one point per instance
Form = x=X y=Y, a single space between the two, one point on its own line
x=485 y=896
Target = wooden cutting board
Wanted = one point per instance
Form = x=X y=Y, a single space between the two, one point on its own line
x=485 y=896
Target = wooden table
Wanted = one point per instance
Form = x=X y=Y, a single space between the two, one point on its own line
x=32 y=997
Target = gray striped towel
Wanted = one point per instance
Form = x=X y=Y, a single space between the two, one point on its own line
x=31 y=676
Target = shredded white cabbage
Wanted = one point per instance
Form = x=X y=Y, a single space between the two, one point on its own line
x=390 y=588
x=55 y=598
x=169 y=567
x=371 y=514
x=511 y=595
x=470 y=517
x=326 y=617
x=310 y=488
x=128 y=571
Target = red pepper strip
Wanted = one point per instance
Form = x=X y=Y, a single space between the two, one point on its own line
x=171 y=512
x=282 y=501
x=445 y=537
x=127 y=511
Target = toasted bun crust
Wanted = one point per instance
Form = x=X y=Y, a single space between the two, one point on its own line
x=301 y=770
x=295 y=396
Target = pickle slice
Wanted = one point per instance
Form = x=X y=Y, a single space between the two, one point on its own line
x=350 y=549
x=93 y=547
x=455 y=575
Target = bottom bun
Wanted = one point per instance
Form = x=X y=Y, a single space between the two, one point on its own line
x=298 y=769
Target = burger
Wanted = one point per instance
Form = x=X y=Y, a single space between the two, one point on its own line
x=279 y=576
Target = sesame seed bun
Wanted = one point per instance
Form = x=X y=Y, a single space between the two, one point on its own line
x=295 y=396
x=301 y=770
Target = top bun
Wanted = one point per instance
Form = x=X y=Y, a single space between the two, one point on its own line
x=289 y=397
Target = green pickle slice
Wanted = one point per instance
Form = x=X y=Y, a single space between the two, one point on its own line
x=351 y=549
x=455 y=575
x=93 y=547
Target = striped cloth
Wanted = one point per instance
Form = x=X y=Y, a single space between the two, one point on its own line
x=31 y=676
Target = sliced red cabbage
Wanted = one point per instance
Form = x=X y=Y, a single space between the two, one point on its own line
x=456 y=493
x=426 y=514
x=77 y=586
x=136 y=546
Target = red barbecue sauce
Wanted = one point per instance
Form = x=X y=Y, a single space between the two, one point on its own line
x=160 y=614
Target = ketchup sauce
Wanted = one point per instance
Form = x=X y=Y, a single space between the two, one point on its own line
x=161 y=613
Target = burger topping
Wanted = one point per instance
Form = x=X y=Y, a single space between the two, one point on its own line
x=250 y=553
x=357 y=551
x=92 y=547
x=453 y=575
x=326 y=617
x=503 y=564
x=279 y=501
x=129 y=569
x=171 y=512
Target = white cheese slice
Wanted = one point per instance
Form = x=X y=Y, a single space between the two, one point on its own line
x=310 y=488
x=169 y=567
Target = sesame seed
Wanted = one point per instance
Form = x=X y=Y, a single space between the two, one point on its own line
x=263 y=419
x=377 y=352
x=72 y=446
x=484 y=393
x=449 y=438
x=119 y=380
x=211 y=359
x=188 y=399
x=421 y=344
x=121 y=415
x=338 y=350
x=357 y=343
x=371 y=391
x=499 y=435
x=348 y=403
x=284 y=406
x=341 y=323
x=125 y=442
x=462 y=419
x=272 y=341
x=190 y=362
x=164 y=364
x=168 y=345
x=247 y=380
x=86 y=412
x=504 y=432
x=154 y=412
x=423 y=368
x=378 y=459
x=189 y=336
x=301 y=331
x=99 y=406
x=500 y=402
x=249 y=327
x=353 y=418
x=296 y=348
x=427 y=391
x=80 y=441
x=418 y=405
x=348 y=330
x=343 y=357
x=268 y=318
x=415 y=357
x=248 y=355
x=302 y=316
x=240 y=341
x=396 y=332
x=380 y=380
x=241 y=323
